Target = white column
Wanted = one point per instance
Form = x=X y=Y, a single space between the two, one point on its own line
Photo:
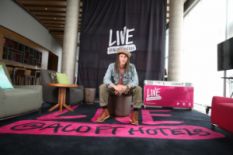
x=70 y=39
x=175 y=40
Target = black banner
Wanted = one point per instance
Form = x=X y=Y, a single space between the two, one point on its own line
x=138 y=25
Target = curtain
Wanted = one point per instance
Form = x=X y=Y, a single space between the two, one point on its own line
x=138 y=25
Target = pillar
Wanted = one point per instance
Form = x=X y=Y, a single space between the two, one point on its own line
x=70 y=39
x=175 y=40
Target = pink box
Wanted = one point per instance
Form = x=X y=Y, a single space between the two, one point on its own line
x=168 y=96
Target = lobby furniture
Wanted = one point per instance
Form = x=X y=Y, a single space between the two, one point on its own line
x=168 y=94
x=50 y=94
x=222 y=113
x=20 y=99
x=62 y=95
x=119 y=105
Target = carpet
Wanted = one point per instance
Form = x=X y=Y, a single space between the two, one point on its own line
x=160 y=131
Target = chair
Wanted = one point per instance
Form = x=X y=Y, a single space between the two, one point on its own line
x=36 y=77
x=222 y=113
x=29 y=78
x=18 y=76
x=120 y=105
x=74 y=95
x=20 y=99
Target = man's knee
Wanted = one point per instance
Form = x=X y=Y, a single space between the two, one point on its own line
x=138 y=89
x=102 y=87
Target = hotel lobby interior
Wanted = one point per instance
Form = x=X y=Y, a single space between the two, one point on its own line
x=64 y=90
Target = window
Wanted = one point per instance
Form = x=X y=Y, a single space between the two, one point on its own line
x=204 y=28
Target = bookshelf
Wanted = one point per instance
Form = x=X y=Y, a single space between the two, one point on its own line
x=18 y=52
x=21 y=54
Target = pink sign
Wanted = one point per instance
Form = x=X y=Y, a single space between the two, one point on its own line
x=38 y=127
x=63 y=124
x=168 y=96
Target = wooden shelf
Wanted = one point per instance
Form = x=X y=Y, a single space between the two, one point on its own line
x=17 y=52
x=28 y=53
x=17 y=64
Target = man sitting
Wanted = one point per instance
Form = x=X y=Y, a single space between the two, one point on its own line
x=120 y=78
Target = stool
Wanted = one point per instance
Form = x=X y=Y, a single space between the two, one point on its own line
x=119 y=105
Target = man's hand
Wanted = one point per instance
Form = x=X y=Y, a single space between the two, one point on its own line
x=119 y=89
x=123 y=88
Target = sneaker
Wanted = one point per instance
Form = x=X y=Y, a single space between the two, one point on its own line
x=103 y=116
x=134 y=118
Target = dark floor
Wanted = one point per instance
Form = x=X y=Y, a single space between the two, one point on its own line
x=38 y=144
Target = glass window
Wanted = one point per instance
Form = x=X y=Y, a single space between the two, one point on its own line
x=204 y=28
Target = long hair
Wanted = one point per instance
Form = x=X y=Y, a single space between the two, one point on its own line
x=117 y=64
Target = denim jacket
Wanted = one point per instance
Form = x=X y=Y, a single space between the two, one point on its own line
x=130 y=78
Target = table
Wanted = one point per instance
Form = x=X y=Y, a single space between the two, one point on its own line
x=62 y=95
